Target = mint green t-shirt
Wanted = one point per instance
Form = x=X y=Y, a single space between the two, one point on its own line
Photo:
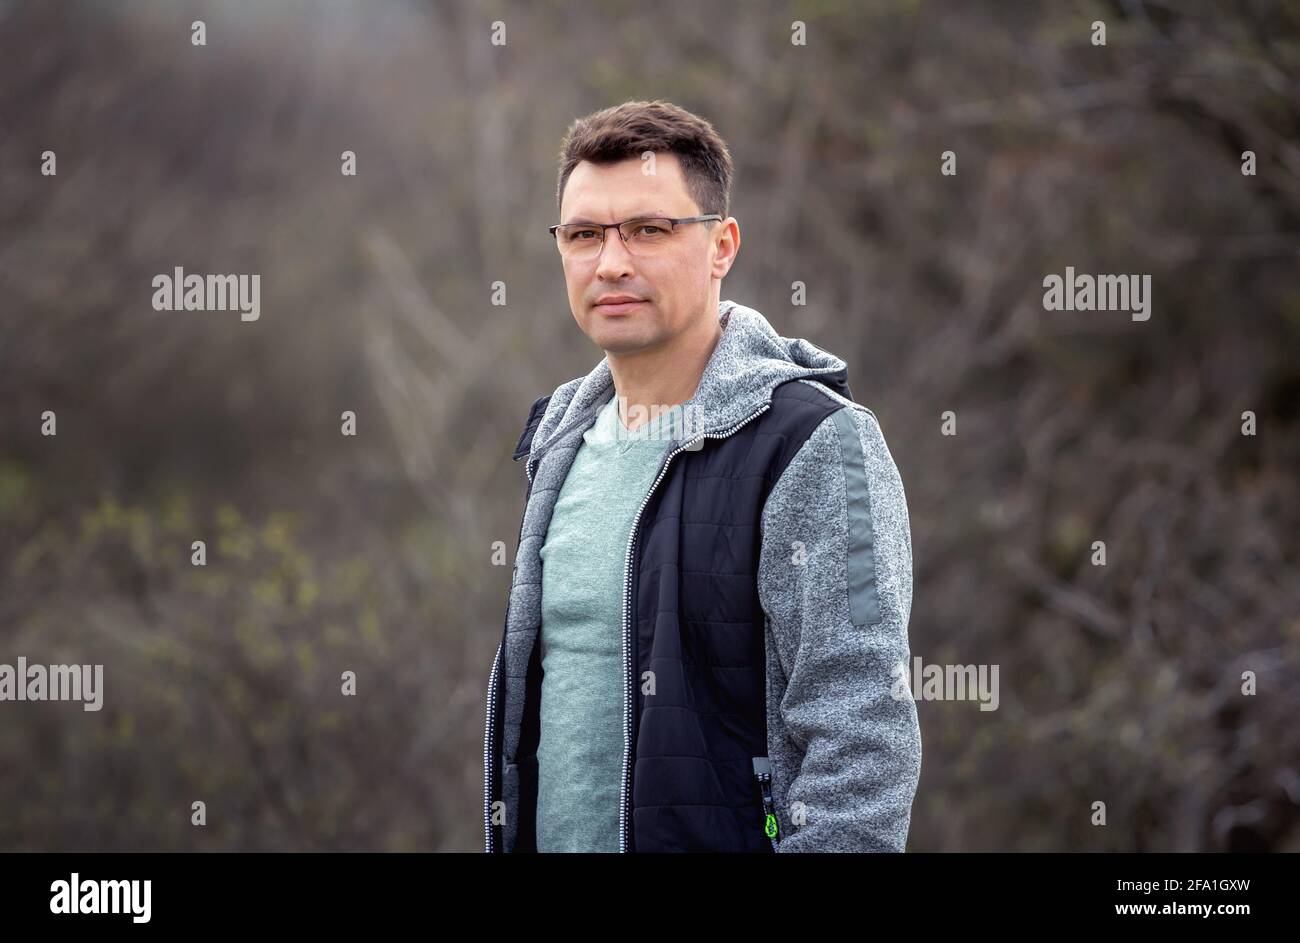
x=580 y=752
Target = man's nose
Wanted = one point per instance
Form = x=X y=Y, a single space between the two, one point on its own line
x=614 y=260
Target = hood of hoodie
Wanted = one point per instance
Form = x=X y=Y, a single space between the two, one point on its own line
x=748 y=362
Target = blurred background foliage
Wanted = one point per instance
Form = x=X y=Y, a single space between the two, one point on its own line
x=373 y=554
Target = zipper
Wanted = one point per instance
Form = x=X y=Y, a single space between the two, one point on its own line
x=627 y=622
x=489 y=751
x=763 y=773
x=528 y=470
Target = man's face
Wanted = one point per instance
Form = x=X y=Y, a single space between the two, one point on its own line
x=674 y=284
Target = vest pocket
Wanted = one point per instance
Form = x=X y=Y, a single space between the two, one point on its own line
x=763 y=773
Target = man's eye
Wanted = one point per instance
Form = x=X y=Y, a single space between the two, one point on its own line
x=579 y=234
x=654 y=230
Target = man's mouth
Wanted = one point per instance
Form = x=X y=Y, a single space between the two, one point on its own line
x=618 y=304
x=623 y=307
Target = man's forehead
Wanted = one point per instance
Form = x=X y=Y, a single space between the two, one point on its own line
x=620 y=191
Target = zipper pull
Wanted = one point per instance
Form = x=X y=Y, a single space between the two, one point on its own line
x=763 y=773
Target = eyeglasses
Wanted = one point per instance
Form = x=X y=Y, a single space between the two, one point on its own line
x=644 y=235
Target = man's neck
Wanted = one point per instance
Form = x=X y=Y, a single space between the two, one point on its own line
x=664 y=376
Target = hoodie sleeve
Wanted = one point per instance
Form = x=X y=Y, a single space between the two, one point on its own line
x=835 y=581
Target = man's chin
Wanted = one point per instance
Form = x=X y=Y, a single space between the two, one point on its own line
x=627 y=349
x=613 y=340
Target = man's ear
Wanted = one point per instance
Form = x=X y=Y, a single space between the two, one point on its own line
x=726 y=246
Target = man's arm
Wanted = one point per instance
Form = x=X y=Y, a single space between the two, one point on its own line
x=835 y=579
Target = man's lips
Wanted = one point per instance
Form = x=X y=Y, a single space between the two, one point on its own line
x=622 y=307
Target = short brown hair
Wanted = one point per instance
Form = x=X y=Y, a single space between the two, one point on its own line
x=632 y=128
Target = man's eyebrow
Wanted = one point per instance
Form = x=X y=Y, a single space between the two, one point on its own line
x=654 y=214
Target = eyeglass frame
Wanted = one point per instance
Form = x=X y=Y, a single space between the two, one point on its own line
x=707 y=217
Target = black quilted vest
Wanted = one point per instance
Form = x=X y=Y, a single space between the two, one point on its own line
x=697 y=624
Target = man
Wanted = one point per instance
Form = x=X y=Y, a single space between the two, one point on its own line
x=713 y=578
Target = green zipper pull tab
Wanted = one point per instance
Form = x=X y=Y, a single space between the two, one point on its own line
x=763 y=773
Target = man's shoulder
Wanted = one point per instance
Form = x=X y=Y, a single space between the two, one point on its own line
x=846 y=414
x=841 y=401
x=827 y=409
x=845 y=446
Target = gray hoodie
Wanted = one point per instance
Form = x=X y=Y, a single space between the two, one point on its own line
x=835 y=582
